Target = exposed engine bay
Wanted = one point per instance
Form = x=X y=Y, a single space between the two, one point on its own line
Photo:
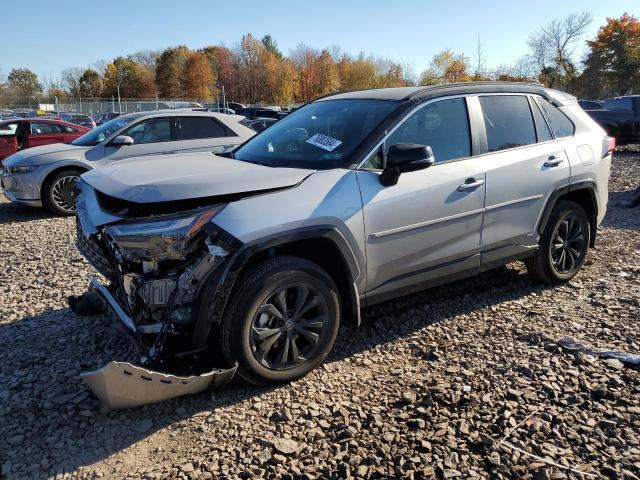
x=158 y=268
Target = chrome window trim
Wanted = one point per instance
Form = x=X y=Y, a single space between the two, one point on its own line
x=530 y=96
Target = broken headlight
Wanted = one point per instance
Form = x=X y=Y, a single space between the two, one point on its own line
x=160 y=238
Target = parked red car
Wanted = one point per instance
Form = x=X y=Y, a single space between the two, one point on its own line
x=20 y=133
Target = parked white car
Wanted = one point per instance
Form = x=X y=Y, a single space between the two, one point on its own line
x=44 y=176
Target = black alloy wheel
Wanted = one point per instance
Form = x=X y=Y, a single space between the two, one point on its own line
x=287 y=326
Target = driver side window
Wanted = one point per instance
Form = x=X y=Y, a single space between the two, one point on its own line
x=150 y=131
x=442 y=125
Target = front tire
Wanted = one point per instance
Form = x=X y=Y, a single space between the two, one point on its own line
x=563 y=245
x=282 y=321
x=57 y=192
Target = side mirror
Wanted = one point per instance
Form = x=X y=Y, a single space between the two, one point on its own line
x=122 y=140
x=403 y=158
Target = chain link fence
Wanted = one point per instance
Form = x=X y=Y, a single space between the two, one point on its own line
x=97 y=106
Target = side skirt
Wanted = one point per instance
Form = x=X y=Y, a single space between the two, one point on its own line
x=373 y=298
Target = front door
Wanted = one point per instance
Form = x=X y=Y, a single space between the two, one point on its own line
x=429 y=224
x=152 y=136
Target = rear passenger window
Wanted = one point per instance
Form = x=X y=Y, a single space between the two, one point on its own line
x=45 y=128
x=560 y=125
x=442 y=125
x=542 y=129
x=193 y=128
x=508 y=122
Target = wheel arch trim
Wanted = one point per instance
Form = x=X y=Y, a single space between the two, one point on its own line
x=589 y=186
x=226 y=279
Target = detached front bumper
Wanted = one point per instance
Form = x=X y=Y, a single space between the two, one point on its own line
x=123 y=385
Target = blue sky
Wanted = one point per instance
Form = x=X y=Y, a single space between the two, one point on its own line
x=51 y=36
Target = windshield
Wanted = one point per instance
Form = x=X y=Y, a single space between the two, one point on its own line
x=319 y=135
x=97 y=135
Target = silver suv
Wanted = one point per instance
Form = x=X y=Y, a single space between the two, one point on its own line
x=44 y=176
x=353 y=199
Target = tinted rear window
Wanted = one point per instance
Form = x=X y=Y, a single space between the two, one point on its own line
x=508 y=121
x=193 y=128
x=560 y=125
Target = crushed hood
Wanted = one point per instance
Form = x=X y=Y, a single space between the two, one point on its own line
x=46 y=154
x=162 y=178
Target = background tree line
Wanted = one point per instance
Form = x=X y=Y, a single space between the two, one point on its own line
x=255 y=70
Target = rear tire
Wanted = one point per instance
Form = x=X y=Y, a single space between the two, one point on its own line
x=282 y=321
x=57 y=192
x=563 y=245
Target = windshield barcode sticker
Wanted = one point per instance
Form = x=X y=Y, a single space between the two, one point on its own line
x=324 y=142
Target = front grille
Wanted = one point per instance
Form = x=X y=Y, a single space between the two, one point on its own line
x=92 y=251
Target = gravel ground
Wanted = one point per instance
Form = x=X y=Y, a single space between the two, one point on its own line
x=446 y=383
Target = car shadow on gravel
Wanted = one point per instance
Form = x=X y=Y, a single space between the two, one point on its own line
x=13 y=213
x=621 y=217
x=78 y=431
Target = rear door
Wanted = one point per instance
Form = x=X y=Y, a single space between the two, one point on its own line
x=8 y=143
x=524 y=164
x=200 y=134
x=45 y=133
x=151 y=136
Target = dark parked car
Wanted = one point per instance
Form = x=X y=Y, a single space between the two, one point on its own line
x=620 y=118
x=105 y=117
x=590 y=105
x=78 y=119
x=232 y=105
x=259 y=124
x=256 y=112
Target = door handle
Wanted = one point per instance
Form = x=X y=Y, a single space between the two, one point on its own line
x=553 y=161
x=168 y=153
x=470 y=184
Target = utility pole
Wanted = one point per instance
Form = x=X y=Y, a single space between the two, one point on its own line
x=224 y=101
x=119 y=103
x=156 y=100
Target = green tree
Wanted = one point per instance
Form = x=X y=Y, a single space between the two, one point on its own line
x=271 y=46
x=25 y=83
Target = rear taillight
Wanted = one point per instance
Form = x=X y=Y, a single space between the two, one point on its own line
x=608 y=145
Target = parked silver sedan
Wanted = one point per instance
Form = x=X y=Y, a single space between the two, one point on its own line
x=44 y=176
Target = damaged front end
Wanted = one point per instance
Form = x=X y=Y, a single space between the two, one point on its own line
x=163 y=270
